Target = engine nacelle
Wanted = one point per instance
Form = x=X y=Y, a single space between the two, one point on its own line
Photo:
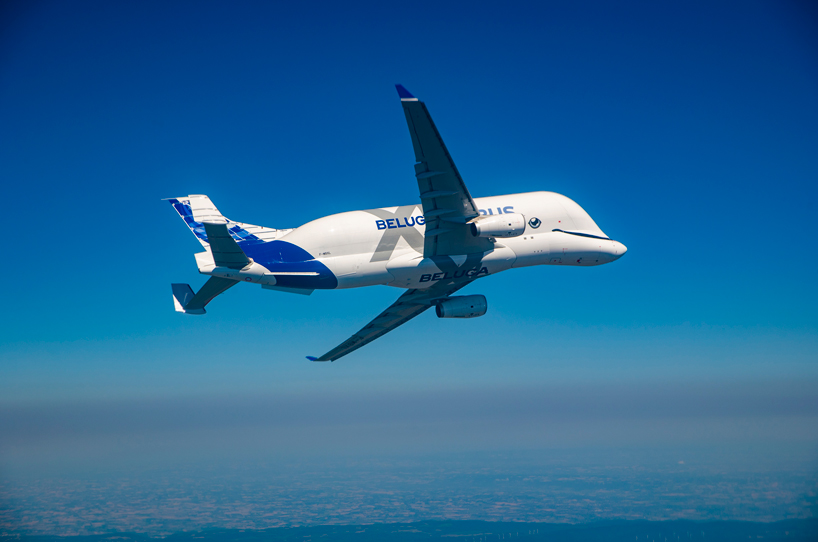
x=507 y=225
x=464 y=306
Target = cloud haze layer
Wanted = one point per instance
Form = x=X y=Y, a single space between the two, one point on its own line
x=500 y=418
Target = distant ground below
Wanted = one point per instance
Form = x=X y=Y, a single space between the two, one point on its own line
x=796 y=530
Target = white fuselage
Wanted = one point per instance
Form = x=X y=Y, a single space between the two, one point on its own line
x=385 y=246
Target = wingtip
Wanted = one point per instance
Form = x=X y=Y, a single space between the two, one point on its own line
x=404 y=94
x=312 y=358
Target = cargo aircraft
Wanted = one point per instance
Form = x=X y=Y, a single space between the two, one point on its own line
x=431 y=249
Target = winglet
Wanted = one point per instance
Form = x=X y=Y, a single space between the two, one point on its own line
x=405 y=95
x=182 y=296
x=312 y=358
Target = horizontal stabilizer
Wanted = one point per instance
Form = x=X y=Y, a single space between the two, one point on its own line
x=185 y=301
x=182 y=295
x=226 y=251
x=287 y=289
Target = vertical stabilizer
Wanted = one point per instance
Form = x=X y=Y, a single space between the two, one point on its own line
x=195 y=210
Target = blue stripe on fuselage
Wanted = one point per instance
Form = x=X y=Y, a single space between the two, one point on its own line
x=287 y=257
x=274 y=255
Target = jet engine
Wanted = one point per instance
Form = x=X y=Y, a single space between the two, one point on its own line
x=464 y=306
x=507 y=225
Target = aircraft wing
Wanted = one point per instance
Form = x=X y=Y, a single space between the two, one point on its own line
x=447 y=204
x=409 y=305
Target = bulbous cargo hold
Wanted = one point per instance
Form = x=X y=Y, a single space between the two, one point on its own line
x=463 y=306
x=507 y=225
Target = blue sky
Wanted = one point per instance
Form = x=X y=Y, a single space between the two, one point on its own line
x=689 y=132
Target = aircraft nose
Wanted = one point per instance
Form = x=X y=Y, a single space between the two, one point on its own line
x=619 y=250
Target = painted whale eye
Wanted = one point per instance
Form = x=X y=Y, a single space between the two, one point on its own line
x=535 y=223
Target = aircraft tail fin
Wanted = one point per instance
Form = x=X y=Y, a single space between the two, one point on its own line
x=184 y=300
x=195 y=210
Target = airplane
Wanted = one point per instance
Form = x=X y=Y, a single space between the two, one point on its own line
x=431 y=249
